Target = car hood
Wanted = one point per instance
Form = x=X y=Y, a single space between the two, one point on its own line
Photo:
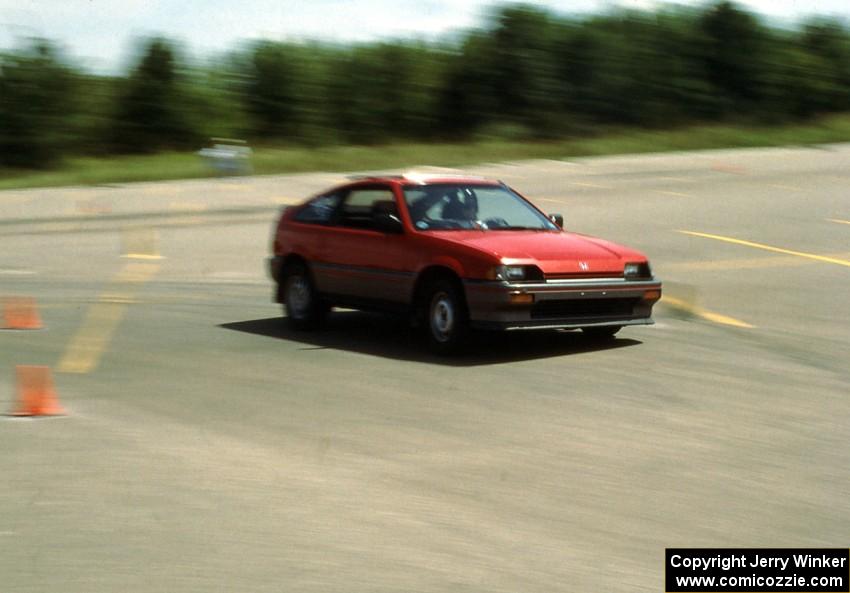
x=552 y=252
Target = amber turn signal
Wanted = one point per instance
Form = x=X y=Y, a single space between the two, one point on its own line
x=521 y=298
x=652 y=295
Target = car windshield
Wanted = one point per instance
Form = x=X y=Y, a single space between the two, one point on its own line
x=439 y=207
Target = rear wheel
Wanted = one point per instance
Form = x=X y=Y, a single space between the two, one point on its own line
x=304 y=309
x=447 y=320
x=605 y=332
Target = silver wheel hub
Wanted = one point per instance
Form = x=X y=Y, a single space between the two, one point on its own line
x=298 y=296
x=442 y=317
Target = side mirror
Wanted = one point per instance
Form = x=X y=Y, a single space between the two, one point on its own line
x=387 y=223
x=557 y=219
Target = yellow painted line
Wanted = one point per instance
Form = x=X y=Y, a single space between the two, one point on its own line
x=594 y=185
x=723 y=319
x=142 y=256
x=813 y=256
x=838 y=220
x=140 y=243
x=707 y=315
x=675 y=194
x=85 y=349
x=551 y=200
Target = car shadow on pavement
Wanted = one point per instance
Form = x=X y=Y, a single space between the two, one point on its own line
x=391 y=337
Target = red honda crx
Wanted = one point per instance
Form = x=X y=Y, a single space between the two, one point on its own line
x=455 y=253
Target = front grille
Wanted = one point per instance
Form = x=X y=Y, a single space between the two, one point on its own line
x=572 y=308
x=583 y=275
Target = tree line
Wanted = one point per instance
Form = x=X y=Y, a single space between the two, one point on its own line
x=527 y=73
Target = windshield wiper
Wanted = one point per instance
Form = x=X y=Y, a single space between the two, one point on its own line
x=516 y=228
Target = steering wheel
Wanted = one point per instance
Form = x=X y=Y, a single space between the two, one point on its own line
x=496 y=223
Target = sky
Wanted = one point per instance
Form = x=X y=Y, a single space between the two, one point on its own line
x=101 y=35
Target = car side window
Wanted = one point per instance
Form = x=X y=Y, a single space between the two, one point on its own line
x=319 y=210
x=357 y=210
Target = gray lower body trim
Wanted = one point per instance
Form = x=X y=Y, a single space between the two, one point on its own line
x=561 y=305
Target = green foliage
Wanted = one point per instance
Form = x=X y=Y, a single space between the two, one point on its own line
x=526 y=74
x=35 y=88
x=382 y=92
x=523 y=74
x=151 y=111
x=733 y=52
x=272 y=90
x=466 y=97
x=827 y=46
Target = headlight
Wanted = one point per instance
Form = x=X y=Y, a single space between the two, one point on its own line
x=516 y=273
x=637 y=271
x=507 y=273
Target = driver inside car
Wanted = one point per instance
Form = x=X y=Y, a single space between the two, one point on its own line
x=460 y=206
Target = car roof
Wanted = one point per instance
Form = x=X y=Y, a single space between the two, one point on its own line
x=414 y=178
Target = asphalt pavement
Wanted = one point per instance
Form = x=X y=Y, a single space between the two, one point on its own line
x=207 y=447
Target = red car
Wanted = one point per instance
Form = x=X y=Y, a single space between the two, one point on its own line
x=456 y=253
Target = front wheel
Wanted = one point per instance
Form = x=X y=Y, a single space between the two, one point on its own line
x=303 y=308
x=447 y=321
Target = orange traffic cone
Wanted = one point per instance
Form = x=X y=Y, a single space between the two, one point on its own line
x=36 y=395
x=20 y=313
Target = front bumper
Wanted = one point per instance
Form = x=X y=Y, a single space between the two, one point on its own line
x=561 y=304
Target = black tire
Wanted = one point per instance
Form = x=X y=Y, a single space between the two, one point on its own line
x=446 y=319
x=304 y=310
x=604 y=332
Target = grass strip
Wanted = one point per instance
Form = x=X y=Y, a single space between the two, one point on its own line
x=296 y=159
